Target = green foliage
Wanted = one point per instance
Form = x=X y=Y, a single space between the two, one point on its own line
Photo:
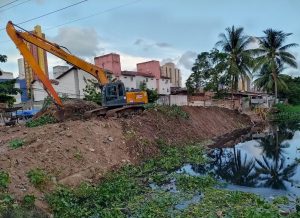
x=152 y=94
x=3 y=58
x=37 y=177
x=288 y=108
x=6 y=201
x=28 y=201
x=271 y=56
x=43 y=120
x=221 y=203
x=292 y=93
x=209 y=71
x=7 y=88
x=16 y=143
x=239 y=58
x=172 y=111
x=92 y=92
x=194 y=183
x=4 y=180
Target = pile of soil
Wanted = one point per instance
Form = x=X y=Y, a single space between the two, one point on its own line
x=84 y=150
x=74 y=109
x=202 y=124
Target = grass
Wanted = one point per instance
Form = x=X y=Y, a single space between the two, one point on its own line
x=43 y=120
x=16 y=143
x=4 y=180
x=288 y=108
x=171 y=111
x=37 y=177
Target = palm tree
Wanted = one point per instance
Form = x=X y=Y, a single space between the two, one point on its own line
x=265 y=79
x=234 y=43
x=273 y=54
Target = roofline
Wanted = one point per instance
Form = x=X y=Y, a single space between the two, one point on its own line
x=64 y=73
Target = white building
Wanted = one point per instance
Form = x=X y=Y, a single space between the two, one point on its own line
x=21 y=68
x=58 y=70
x=71 y=84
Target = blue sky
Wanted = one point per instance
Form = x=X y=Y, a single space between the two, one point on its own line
x=140 y=30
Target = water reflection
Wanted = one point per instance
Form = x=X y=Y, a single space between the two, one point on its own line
x=269 y=160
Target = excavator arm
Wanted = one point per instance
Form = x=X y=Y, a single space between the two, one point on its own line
x=18 y=37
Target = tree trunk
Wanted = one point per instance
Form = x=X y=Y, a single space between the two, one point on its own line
x=275 y=86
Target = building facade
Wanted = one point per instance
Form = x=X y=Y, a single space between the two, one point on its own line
x=169 y=70
x=40 y=57
x=110 y=62
x=59 y=70
x=21 y=68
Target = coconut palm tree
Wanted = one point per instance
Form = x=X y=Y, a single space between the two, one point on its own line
x=272 y=54
x=235 y=43
x=265 y=79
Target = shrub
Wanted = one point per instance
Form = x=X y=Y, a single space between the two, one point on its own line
x=28 y=201
x=37 y=177
x=16 y=143
x=4 y=180
x=43 y=120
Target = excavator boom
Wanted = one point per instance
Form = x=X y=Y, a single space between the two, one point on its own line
x=18 y=37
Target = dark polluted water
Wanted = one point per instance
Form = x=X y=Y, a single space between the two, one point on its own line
x=265 y=163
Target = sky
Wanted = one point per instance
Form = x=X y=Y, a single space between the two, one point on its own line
x=142 y=30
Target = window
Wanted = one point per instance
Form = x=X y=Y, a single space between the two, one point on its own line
x=131 y=78
x=146 y=79
x=166 y=72
x=125 y=77
x=170 y=73
x=121 y=92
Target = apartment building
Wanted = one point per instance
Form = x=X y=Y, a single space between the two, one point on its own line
x=169 y=70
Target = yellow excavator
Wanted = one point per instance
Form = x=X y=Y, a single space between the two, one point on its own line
x=115 y=98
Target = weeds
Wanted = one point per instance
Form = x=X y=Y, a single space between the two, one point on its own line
x=4 y=180
x=43 y=120
x=172 y=111
x=16 y=143
x=37 y=177
x=28 y=201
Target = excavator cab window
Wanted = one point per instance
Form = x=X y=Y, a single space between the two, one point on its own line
x=114 y=95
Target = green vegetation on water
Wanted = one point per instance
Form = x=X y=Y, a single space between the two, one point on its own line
x=288 y=108
x=127 y=192
x=286 y=112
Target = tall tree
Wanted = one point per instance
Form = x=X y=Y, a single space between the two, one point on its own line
x=273 y=54
x=235 y=44
x=208 y=71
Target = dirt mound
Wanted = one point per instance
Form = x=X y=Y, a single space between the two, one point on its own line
x=73 y=109
x=83 y=150
x=203 y=123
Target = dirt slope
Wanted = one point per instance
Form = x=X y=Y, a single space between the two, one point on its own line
x=77 y=151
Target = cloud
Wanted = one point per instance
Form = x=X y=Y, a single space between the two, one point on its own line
x=79 y=40
x=149 y=44
x=138 y=42
x=187 y=59
x=163 y=44
x=167 y=60
x=128 y=62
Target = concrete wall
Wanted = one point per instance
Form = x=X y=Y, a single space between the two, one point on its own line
x=109 y=62
x=150 y=67
x=179 y=100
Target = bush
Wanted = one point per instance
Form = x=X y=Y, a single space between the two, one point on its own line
x=173 y=111
x=28 y=201
x=16 y=143
x=37 y=177
x=4 y=180
x=43 y=120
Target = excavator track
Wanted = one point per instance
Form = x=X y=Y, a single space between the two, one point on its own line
x=126 y=111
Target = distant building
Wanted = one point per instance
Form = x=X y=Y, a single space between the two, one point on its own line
x=21 y=68
x=169 y=70
x=244 y=85
x=109 y=62
x=20 y=84
x=39 y=55
x=58 y=70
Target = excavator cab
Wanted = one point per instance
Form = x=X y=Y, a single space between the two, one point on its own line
x=114 y=94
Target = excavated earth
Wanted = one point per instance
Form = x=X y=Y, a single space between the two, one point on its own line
x=84 y=150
